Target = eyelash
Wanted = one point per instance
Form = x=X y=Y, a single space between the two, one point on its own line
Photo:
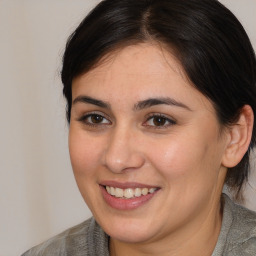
x=85 y=118
x=165 y=119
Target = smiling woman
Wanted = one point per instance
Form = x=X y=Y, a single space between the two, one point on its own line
x=159 y=121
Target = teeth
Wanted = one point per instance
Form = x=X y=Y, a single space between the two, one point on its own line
x=108 y=189
x=137 y=192
x=129 y=192
x=119 y=192
x=112 y=191
x=144 y=191
x=152 y=190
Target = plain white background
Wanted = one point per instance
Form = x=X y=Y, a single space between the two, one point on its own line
x=38 y=194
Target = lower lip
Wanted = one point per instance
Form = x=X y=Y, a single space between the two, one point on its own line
x=126 y=204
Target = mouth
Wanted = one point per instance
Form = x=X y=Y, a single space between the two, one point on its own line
x=127 y=196
x=129 y=193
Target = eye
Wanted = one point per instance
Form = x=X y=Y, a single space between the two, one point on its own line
x=159 y=121
x=94 y=119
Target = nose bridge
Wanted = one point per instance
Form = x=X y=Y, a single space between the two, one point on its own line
x=122 y=152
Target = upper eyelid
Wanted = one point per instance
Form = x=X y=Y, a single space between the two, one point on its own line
x=147 y=117
x=85 y=115
x=96 y=113
x=170 y=123
x=151 y=115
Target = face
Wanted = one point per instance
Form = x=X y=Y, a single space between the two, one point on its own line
x=145 y=146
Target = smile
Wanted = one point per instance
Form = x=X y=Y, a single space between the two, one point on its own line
x=129 y=193
x=127 y=196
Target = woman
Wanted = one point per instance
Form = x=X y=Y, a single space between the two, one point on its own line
x=161 y=98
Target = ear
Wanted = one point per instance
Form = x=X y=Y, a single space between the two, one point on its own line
x=239 y=138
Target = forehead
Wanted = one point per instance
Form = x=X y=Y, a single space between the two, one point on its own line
x=137 y=72
x=150 y=58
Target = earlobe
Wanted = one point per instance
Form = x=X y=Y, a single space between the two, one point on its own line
x=239 y=138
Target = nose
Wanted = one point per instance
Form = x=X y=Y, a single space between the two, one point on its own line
x=122 y=151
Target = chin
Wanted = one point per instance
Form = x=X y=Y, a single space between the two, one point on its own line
x=129 y=231
x=129 y=236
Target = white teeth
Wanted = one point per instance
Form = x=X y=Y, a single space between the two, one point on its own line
x=152 y=190
x=137 y=192
x=108 y=189
x=112 y=191
x=129 y=192
x=144 y=191
x=119 y=192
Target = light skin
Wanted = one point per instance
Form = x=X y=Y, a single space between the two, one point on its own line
x=136 y=118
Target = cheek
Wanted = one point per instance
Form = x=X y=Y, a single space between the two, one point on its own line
x=190 y=169
x=84 y=153
x=183 y=160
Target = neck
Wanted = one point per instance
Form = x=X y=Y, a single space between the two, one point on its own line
x=197 y=240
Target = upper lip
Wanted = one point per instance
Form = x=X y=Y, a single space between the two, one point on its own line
x=125 y=185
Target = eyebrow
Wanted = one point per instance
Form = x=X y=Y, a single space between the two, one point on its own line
x=159 y=101
x=138 y=106
x=87 y=99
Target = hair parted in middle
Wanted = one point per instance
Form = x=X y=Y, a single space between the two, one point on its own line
x=207 y=39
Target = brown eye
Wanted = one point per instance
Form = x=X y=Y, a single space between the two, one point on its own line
x=159 y=121
x=96 y=119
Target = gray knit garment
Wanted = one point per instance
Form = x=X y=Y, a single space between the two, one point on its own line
x=237 y=237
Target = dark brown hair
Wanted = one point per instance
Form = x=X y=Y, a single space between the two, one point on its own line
x=207 y=38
